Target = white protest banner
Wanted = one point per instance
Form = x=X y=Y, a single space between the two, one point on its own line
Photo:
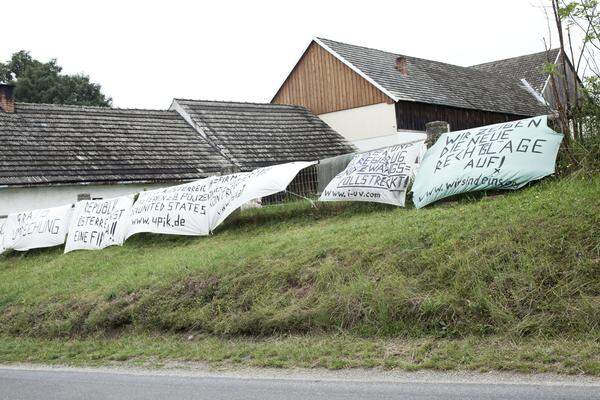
x=230 y=192
x=2 y=225
x=175 y=210
x=198 y=207
x=97 y=224
x=380 y=176
x=500 y=156
x=37 y=228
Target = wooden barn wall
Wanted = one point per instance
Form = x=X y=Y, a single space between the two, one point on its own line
x=414 y=116
x=323 y=84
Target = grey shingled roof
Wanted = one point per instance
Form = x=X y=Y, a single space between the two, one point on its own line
x=50 y=144
x=254 y=135
x=529 y=67
x=435 y=82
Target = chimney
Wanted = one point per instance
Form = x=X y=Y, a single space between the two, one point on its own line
x=7 y=100
x=402 y=65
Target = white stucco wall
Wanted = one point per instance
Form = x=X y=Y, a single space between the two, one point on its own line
x=22 y=199
x=370 y=127
x=363 y=122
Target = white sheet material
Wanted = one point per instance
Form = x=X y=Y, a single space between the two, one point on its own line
x=380 y=176
x=2 y=224
x=37 y=228
x=501 y=156
x=230 y=192
x=97 y=224
x=176 y=210
x=198 y=207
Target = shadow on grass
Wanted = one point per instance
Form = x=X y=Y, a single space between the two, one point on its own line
x=300 y=212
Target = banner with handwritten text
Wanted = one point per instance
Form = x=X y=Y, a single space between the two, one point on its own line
x=500 y=156
x=37 y=228
x=177 y=210
x=230 y=192
x=97 y=224
x=198 y=207
x=380 y=176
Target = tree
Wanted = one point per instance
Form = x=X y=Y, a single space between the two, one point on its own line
x=578 y=115
x=39 y=82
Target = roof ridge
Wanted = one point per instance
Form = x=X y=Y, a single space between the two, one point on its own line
x=515 y=57
x=240 y=102
x=396 y=54
x=357 y=45
x=436 y=61
x=82 y=107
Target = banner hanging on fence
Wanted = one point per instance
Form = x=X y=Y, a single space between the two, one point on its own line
x=2 y=225
x=37 y=228
x=230 y=192
x=198 y=207
x=501 y=156
x=380 y=176
x=97 y=224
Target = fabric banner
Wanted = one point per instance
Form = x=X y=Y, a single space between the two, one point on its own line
x=37 y=228
x=329 y=168
x=2 y=225
x=97 y=224
x=380 y=176
x=176 y=210
x=500 y=156
x=230 y=192
x=198 y=207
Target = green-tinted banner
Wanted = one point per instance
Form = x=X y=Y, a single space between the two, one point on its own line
x=501 y=156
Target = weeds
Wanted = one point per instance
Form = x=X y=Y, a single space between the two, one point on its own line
x=523 y=264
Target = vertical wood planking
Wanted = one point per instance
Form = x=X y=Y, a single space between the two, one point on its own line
x=322 y=83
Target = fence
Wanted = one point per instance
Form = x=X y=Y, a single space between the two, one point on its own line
x=304 y=185
x=311 y=181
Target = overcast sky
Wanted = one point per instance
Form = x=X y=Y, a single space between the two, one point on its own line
x=146 y=53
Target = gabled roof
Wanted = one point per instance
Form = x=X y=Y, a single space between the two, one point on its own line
x=435 y=82
x=528 y=67
x=253 y=135
x=45 y=144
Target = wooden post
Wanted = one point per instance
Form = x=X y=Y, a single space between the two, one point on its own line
x=434 y=130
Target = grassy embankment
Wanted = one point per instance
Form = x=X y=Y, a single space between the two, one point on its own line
x=510 y=282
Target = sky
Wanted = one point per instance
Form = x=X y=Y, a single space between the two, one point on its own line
x=145 y=53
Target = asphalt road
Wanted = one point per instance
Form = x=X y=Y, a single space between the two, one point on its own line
x=49 y=384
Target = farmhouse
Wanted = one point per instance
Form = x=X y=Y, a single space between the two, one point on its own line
x=375 y=98
x=55 y=154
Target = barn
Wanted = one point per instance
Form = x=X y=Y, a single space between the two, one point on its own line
x=375 y=98
x=56 y=154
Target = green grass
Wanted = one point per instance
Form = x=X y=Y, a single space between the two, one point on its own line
x=310 y=351
x=513 y=274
